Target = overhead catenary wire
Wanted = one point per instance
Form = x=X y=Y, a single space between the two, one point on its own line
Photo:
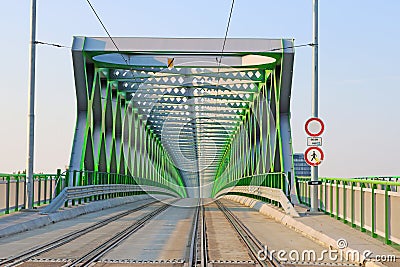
x=105 y=29
x=222 y=54
x=292 y=46
x=112 y=39
x=226 y=32
x=126 y=61
x=51 y=44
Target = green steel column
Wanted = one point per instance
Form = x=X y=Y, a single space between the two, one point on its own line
x=156 y=160
x=59 y=181
x=241 y=148
x=162 y=169
x=148 y=158
x=141 y=140
x=149 y=163
x=234 y=159
x=252 y=144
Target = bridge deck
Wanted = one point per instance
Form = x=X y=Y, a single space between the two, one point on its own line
x=327 y=230
x=164 y=240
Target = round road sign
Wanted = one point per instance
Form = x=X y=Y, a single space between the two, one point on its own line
x=314 y=156
x=314 y=127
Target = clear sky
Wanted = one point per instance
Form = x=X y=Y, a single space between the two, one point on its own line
x=359 y=70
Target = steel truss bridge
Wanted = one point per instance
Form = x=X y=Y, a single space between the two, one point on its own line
x=182 y=115
x=179 y=153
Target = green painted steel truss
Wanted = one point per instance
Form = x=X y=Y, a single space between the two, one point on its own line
x=183 y=117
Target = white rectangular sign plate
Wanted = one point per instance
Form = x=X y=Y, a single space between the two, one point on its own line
x=314 y=141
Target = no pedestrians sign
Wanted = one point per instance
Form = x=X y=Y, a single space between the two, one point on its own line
x=314 y=156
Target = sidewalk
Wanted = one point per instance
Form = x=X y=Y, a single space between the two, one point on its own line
x=325 y=230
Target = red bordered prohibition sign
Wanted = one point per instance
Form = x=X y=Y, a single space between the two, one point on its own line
x=313 y=120
x=315 y=158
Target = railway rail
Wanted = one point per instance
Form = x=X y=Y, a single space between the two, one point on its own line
x=202 y=249
x=248 y=238
x=35 y=251
x=95 y=254
x=198 y=255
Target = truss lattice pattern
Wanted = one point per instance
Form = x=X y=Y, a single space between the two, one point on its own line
x=163 y=110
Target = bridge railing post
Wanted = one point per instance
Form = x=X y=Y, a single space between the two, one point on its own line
x=373 y=211
x=337 y=199
x=344 y=201
x=39 y=190
x=58 y=182
x=7 y=211
x=16 y=208
x=331 y=198
x=362 y=219
x=352 y=205
x=45 y=198
x=51 y=188
x=25 y=192
x=94 y=182
x=387 y=215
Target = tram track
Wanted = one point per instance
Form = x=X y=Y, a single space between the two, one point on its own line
x=198 y=254
x=217 y=237
x=70 y=237
x=95 y=254
x=193 y=247
x=248 y=238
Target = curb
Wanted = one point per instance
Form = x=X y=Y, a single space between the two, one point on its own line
x=295 y=225
x=68 y=214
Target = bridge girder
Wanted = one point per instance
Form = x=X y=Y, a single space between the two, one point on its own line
x=201 y=121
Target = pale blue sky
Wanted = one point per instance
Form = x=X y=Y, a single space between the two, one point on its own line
x=359 y=70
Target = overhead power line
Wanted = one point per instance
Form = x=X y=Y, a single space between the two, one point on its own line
x=112 y=39
x=226 y=32
x=293 y=46
x=105 y=29
x=52 y=44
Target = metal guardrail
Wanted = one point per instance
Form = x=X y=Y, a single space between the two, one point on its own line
x=367 y=204
x=273 y=194
x=13 y=192
x=89 y=191
x=273 y=180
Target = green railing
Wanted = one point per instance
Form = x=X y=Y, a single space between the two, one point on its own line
x=82 y=178
x=274 y=180
x=367 y=203
x=13 y=194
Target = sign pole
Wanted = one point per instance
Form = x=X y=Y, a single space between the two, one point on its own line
x=314 y=170
x=31 y=109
